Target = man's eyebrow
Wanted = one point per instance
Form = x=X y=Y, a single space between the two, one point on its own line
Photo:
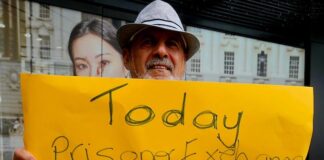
x=180 y=40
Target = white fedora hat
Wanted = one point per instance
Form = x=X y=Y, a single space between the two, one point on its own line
x=161 y=15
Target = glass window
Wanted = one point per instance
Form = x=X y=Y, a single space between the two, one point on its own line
x=293 y=67
x=195 y=64
x=34 y=38
x=262 y=64
x=229 y=63
x=45 y=47
x=44 y=11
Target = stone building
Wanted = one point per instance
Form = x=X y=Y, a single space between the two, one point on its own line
x=230 y=58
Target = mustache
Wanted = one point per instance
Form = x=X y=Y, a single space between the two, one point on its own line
x=157 y=61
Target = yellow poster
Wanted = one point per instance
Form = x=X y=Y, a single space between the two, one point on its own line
x=83 y=118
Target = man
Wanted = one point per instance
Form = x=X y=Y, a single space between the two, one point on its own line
x=155 y=46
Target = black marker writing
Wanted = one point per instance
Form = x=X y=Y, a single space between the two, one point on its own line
x=127 y=154
x=211 y=155
x=237 y=126
x=74 y=149
x=151 y=155
x=166 y=115
x=213 y=123
x=100 y=153
x=130 y=121
x=60 y=138
x=110 y=100
x=186 y=150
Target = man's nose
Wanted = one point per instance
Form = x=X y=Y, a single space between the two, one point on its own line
x=161 y=50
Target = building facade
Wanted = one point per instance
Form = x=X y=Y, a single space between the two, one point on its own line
x=230 y=58
x=47 y=35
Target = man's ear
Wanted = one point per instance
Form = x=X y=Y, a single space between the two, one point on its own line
x=126 y=58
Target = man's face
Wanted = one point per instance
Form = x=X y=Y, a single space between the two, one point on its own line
x=156 y=54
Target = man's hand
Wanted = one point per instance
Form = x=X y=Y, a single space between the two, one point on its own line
x=22 y=154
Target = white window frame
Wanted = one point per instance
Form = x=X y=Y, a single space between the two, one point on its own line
x=294 y=67
x=195 y=65
x=229 y=62
x=45 y=47
x=262 y=58
x=44 y=11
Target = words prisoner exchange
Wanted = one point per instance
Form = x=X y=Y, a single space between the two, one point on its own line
x=61 y=145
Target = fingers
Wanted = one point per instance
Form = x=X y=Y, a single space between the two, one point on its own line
x=22 y=154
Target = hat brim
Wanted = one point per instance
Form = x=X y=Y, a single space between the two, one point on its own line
x=125 y=32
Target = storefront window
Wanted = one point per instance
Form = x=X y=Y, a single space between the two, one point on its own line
x=34 y=38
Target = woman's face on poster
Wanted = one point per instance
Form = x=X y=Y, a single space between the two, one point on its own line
x=93 y=56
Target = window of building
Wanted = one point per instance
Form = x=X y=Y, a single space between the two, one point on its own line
x=44 y=11
x=293 y=67
x=45 y=47
x=262 y=64
x=195 y=65
x=229 y=63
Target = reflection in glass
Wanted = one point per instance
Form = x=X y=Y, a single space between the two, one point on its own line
x=231 y=58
